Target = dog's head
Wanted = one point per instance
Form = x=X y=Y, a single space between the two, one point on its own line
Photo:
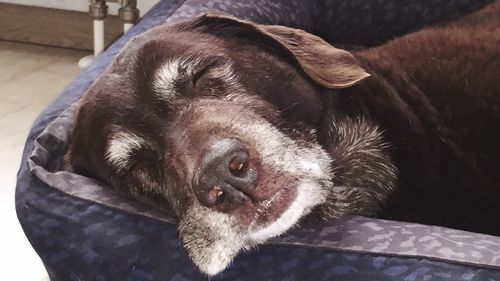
x=216 y=117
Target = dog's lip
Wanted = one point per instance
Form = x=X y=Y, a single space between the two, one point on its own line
x=257 y=213
x=280 y=198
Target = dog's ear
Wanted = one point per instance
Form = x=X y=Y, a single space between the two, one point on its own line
x=328 y=66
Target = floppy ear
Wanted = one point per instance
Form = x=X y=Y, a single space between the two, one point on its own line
x=326 y=65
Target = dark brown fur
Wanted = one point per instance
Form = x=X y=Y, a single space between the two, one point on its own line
x=437 y=95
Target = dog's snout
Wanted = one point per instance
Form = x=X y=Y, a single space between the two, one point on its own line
x=226 y=176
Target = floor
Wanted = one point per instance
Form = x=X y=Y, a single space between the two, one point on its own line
x=31 y=77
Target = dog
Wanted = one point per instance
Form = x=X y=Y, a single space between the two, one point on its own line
x=245 y=130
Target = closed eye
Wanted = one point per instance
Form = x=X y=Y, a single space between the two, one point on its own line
x=200 y=74
x=204 y=67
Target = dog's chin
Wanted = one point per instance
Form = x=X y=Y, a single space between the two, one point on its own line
x=212 y=239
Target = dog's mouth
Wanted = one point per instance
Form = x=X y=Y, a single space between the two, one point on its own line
x=266 y=204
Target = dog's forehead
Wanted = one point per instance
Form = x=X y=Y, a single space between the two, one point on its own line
x=178 y=55
x=162 y=64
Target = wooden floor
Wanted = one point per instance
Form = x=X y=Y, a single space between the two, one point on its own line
x=31 y=77
x=53 y=27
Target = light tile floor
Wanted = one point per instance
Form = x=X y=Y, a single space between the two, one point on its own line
x=30 y=78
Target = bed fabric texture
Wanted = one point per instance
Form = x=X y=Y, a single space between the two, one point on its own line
x=85 y=231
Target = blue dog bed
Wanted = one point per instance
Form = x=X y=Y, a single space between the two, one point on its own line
x=85 y=231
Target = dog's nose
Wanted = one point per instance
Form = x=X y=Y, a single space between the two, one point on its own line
x=225 y=175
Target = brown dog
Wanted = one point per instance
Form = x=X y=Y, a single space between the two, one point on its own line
x=244 y=129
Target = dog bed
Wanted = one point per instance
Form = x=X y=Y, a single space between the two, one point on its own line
x=85 y=231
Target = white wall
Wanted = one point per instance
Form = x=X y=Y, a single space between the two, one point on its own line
x=79 y=5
